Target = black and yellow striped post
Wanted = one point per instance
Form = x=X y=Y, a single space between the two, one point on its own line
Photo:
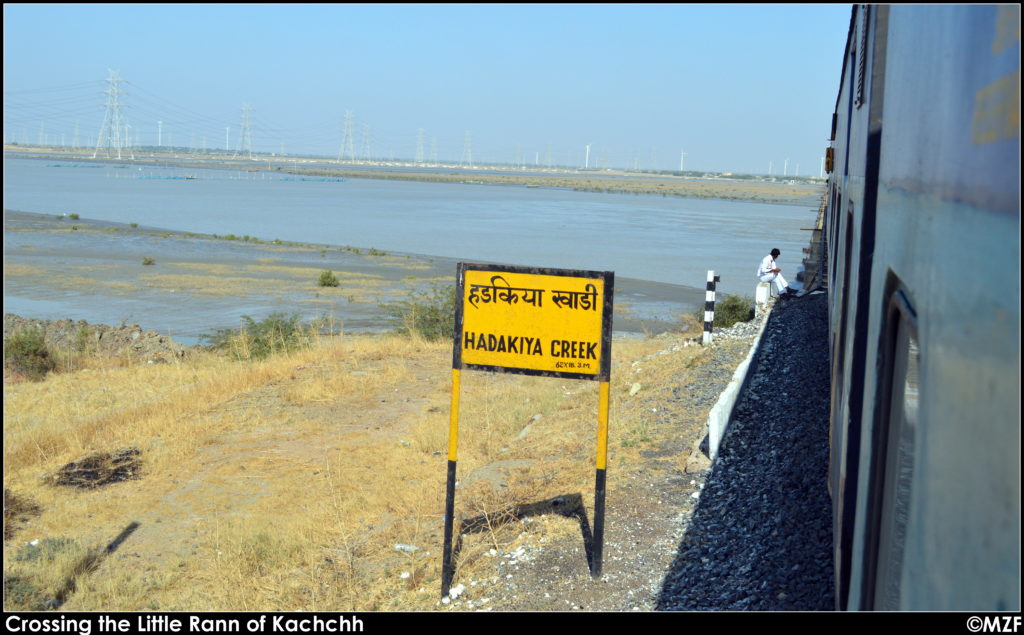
x=447 y=569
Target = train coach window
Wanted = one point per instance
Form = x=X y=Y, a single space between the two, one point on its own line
x=862 y=53
x=894 y=452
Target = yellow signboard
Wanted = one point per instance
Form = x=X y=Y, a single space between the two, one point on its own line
x=534 y=321
x=552 y=322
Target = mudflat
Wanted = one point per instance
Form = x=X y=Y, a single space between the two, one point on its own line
x=186 y=285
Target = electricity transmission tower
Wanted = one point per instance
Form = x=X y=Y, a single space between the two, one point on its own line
x=467 y=150
x=366 y=142
x=419 y=145
x=114 y=131
x=245 y=136
x=347 y=140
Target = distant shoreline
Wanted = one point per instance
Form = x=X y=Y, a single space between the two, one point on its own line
x=687 y=185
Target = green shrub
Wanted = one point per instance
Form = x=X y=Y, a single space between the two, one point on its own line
x=25 y=353
x=277 y=333
x=730 y=310
x=328 y=279
x=430 y=314
x=83 y=340
x=148 y=261
x=73 y=216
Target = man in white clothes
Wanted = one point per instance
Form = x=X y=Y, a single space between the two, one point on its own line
x=768 y=272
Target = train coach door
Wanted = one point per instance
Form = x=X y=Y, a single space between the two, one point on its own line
x=892 y=445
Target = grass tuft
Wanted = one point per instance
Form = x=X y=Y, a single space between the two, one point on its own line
x=25 y=353
x=729 y=310
x=328 y=279
x=276 y=333
x=429 y=314
x=17 y=509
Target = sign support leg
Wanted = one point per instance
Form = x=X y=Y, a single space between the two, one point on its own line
x=599 y=480
x=447 y=569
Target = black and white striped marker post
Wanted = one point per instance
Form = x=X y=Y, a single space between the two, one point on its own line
x=709 y=306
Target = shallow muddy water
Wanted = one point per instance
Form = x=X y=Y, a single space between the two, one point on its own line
x=198 y=284
x=669 y=242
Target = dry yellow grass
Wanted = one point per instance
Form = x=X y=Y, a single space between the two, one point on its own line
x=63 y=281
x=405 y=262
x=210 y=269
x=211 y=284
x=296 y=272
x=286 y=484
x=121 y=288
x=97 y=267
x=22 y=270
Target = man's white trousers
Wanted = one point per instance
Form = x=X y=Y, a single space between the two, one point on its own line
x=780 y=282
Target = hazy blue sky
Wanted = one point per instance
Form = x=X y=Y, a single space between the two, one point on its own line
x=735 y=86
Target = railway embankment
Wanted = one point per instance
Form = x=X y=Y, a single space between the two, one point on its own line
x=761 y=537
x=129 y=341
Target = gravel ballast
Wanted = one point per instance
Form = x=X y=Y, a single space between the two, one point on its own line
x=761 y=536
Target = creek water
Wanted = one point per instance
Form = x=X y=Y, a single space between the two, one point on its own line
x=668 y=240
